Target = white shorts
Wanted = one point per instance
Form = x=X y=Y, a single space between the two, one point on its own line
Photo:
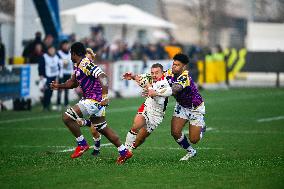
x=195 y=116
x=153 y=118
x=90 y=107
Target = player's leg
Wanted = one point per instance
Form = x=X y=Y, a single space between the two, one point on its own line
x=154 y=119
x=179 y=119
x=141 y=136
x=180 y=138
x=194 y=133
x=47 y=93
x=69 y=118
x=138 y=123
x=97 y=141
x=101 y=126
x=96 y=135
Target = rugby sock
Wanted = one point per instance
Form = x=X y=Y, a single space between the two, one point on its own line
x=183 y=142
x=122 y=150
x=130 y=138
x=87 y=123
x=81 y=141
x=97 y=142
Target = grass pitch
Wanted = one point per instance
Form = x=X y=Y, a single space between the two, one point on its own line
x=243 y=148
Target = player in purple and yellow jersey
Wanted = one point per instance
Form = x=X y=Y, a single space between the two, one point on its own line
x=94 y=84
x=87 y=122
x=189 y=105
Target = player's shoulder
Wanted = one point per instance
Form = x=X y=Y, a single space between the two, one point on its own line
x=184 y=75
x=84 y=62
x=168 y=72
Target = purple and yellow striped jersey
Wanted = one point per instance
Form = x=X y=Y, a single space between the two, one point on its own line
x=189 y=96
x=87 y=74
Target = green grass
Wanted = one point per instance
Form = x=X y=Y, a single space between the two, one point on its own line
x=238 y=152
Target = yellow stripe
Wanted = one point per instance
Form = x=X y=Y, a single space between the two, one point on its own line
x=239 y=64
x=232 y=58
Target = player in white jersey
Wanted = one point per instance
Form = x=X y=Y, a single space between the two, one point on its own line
x=151 y=112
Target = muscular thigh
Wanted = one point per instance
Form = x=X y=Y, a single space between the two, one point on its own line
x=177 y=124
x=72 y=113
x=97 y=120
x=194 y=132
x=138 y=122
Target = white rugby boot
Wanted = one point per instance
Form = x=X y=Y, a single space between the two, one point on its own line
x=189 y=155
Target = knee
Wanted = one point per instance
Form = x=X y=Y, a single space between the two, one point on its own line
x=194 y=139
x=176 y=134
x=65 y=118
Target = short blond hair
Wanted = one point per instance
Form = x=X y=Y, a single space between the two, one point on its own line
x=91 y=52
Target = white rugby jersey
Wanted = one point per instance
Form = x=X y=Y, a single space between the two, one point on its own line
x=52 y=65
x=67 y=64
x=164 y=90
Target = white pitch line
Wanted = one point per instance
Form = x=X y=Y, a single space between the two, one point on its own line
x=207 y=129
x=115 y=110
x=270 y=119
x=28 y=119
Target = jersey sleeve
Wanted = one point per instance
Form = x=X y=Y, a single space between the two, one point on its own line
x=183 y=80
x=90 y=69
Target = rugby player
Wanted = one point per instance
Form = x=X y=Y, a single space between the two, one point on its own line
x=94 y=84
x=189 y=106
x=151 y=112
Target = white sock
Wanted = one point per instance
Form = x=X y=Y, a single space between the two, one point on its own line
x=121 y=148
x=130 y=139
x=97 y=139
x=80 y=138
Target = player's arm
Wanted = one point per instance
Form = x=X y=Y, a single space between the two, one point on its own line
x=69 y=84
x=176 y=88
x=128 y=76
x=165 y=90
x=180 y=84
x=104 y=83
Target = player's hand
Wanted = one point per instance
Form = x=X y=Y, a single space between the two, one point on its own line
x=104 y=102
x=127 y=76
x=137 y=78
x=152 y=92
x=144 y=93
x=54 y=85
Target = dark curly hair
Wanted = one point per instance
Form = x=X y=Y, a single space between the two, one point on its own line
x=78 y=48
x=182 y=58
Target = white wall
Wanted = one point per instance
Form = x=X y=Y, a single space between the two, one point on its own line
x=7 y=34
x=265 y=37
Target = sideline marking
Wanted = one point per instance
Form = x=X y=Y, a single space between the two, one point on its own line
x=270 y=119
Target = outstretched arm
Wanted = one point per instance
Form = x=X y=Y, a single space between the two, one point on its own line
x=69 y=84
x=129 y=76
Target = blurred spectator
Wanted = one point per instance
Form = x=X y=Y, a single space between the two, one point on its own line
x=49 y=70
x=48 y=41
x=72 y=38
x=122 y=52
x=67 y=69
x=193 y=59
x=30 y=47
x=137 y=51
x=2 y=55
x=36 y=55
